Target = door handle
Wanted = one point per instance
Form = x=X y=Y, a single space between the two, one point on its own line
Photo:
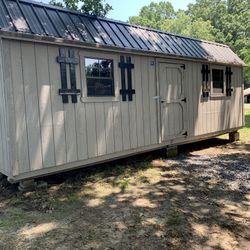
x=158 y=97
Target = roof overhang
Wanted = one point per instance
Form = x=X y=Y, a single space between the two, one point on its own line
x=247 y=92
x=79 y=44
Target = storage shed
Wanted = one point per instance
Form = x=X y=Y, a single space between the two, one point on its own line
x=247 y=95
x=77 y=90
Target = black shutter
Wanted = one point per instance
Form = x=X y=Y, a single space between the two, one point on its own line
x=205 y=80
x=72 y=62
x=123 y=79
x=126 y=66
x=229 y=81
x=63 y=71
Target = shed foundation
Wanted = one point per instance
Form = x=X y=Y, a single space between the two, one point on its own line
x=172 y=151
x=234 y=136
x=27 y=185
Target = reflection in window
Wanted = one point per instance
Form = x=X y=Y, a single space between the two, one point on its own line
x=218 y=81
x=99 y=76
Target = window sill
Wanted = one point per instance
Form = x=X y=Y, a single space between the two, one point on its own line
x=219 y=97
x=99 y=99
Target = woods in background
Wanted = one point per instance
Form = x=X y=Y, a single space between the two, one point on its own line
x=221 y=21
x=92 y=7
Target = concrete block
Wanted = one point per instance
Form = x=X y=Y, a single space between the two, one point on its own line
x=234 y=136
x=1 y=176
x=172 y=151
x=27 y=185
x=42 y=185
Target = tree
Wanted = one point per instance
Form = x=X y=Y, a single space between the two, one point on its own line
x=231 y=21
x=153 y=14
x=92 y=7
x=225 y=21
x=163 y=16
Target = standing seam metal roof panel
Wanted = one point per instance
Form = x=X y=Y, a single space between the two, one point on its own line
x=5 y=21
x=16 y=16
x=81 y=27
x=31 y=17
x=113 y=36
x=45 y=21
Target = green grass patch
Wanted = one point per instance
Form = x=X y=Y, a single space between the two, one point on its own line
x=245 y=132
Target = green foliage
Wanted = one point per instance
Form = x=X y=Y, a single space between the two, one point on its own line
x=92 y=7
x=96 y=7
x=154 y=14
x=225 y=21
x=163 y=16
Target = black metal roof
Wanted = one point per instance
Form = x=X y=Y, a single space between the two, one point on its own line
x=31 y=17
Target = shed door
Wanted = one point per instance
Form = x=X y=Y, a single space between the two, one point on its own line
x=172 y=101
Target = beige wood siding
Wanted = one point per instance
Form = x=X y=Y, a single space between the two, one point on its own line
x=45 y=133
x=215 y=113
x=4 y=131
x=48 y=133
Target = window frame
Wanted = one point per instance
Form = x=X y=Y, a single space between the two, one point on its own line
x=213 y=94
x=95 y=55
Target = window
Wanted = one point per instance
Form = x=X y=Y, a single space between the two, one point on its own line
x=218 y=81
x=99 y=77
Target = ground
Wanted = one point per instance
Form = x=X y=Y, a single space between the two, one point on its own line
x=198 y=200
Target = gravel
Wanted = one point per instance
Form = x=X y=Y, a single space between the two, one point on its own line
x=230 y=170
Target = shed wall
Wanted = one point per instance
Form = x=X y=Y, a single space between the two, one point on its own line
x=5 y=166
x=47 y=133
x=50 y=133
x=209 y=115
x=206 y=116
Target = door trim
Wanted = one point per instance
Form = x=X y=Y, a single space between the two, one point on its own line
x=159 y=104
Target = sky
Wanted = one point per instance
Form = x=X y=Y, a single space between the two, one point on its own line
x=122 y=10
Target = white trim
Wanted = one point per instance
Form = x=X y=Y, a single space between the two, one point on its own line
x=174 y=65
x=84 y=98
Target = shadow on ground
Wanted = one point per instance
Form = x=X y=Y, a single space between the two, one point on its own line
x=194 y=201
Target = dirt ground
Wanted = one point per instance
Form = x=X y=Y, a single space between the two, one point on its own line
x=199 y=200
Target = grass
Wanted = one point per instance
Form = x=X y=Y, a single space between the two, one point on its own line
x=149 y=202
x=245 y=132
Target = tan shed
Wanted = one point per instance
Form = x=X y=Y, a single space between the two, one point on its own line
x=77 y=90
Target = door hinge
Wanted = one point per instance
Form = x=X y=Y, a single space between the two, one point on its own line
x=183 y=66
x=184 y=99
x=185 y=134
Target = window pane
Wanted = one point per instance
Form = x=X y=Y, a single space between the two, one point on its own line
x=92 y=67
x=100 y=87
x=105 y=68
x=218 y=80
x=99 y=77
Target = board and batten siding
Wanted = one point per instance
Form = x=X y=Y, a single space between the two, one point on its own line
x=205 y=116
x=214 y=114
x=38 y=131
x=48 y=133
x=5 y=153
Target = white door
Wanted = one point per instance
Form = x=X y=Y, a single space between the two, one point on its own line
x=172 y=101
